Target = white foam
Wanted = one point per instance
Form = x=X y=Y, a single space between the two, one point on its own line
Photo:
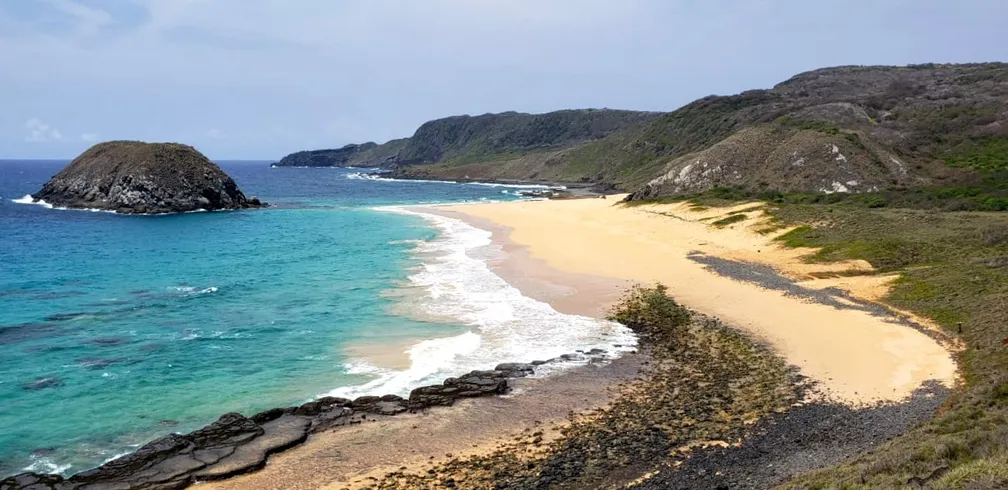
x=45 y=465
x=27 y=199
x=409 y=241
x=380 y=178
x=117 y=456
x=519 y=186
x=192 y=291
x=504 y=325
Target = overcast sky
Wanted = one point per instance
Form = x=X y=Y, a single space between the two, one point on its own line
x=256 y=79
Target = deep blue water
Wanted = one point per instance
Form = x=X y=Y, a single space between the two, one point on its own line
x=117 y=329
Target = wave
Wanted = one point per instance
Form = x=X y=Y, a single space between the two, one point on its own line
x=28 y=199
x=193 y=291
x=44 y=465
x=408 y=241
x=380 y=178
x=504 y=325
x=519 y=186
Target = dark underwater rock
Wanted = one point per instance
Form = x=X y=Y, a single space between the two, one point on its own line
x=43 y=383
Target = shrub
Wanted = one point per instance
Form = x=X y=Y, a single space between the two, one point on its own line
x=735 y=218
x=653 y=315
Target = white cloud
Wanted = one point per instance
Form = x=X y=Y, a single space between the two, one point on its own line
x=215 y=134
x=89 y=137
x=87 y=20
x=40 y=132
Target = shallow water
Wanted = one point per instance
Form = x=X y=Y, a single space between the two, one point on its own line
x=117 y=329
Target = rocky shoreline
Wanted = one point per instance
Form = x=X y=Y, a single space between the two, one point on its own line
x=235 y=444
x=711 y=408
x=720 y=412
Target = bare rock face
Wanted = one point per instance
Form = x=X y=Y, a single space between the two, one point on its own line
x=133 y=177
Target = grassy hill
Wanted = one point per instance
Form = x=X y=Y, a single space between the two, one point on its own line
x=461 y=140
x=836 y=130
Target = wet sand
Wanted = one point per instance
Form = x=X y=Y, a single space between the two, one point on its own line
x=352 y=456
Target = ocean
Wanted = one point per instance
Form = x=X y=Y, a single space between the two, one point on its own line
x=115 y=330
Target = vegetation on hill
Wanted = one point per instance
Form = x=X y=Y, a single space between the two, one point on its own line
x=835 y=130
x=460 y=140
x=468 y=139
x=953 y=269
x=364 y=155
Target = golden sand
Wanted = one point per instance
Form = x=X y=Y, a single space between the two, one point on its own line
x=857 y=357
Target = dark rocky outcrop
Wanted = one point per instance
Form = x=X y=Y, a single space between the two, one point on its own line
x=368 y=154
x=471 y=385
x=133 y=177
x=236 y=444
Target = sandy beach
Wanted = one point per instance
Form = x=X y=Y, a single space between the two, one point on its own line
x=580 y=256
x=859 y=357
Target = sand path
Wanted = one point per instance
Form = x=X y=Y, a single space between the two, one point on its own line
x=856 y=356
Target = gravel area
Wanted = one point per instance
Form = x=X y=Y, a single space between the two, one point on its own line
x=808 y=437
x=766 y=277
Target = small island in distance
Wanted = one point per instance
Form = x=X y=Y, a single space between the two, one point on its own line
x=133 y=177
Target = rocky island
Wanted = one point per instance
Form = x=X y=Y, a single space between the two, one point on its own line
x=133 y=177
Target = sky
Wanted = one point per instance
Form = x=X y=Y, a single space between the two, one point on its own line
x=257 y=79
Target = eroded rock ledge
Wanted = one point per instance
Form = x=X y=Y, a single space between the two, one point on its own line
x=236 y=444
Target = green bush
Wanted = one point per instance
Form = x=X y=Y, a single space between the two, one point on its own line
x=653 y=315
x=988 y=156
x=735 y=218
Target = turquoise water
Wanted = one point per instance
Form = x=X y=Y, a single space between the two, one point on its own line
x=118 y=329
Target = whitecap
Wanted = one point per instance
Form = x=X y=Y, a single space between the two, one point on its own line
x=27 y=199
x=193 y=291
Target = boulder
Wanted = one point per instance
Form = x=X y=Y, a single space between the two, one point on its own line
x=470 y=385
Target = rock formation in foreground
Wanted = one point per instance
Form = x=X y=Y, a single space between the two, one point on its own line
x=134 y=177
x=236 y=444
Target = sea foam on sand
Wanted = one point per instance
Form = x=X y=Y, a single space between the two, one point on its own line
x=504 y=325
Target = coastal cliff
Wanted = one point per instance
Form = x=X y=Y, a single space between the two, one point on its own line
x=368 y=154
x=487 y=137
x=841 y=130
x=134 y=177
